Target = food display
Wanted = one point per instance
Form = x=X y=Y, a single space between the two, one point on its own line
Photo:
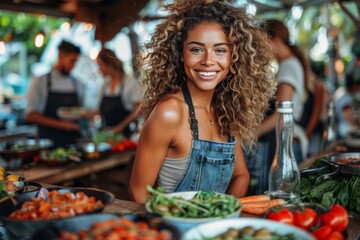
x=321 y=222
x=118 y=228
x=43 y=210
x=188 y=209
x=24 y=149
x=341 y=189
x=247 y=229
x=56 y=205
x=259 y=204
x=9 y=182
x=201 y=204
x=249 y=232
x=117 y=141
x=9 y=176
x=59 y=155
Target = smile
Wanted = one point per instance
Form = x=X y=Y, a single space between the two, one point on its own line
x=207 y=74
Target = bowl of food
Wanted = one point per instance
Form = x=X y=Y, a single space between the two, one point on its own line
x=104 y=225
x=186 y=209
x=71 y=113
x=24 y=149
x=246 y=228
x=59 y=156
x=25 y=213
x=90 y=151
x=11 y=183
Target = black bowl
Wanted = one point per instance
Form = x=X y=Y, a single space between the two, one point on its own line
x=25 y=228
x=53 y=230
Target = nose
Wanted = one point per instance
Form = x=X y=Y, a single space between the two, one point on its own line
x=208 y=58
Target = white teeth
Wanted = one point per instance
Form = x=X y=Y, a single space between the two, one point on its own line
x=207 y=73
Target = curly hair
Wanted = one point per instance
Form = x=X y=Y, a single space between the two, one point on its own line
x=241 y=99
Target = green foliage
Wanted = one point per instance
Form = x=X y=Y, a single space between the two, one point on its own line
x=22 y=27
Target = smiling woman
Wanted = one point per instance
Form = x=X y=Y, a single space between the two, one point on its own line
x=207 y=94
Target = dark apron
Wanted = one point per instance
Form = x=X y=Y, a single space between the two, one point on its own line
x=56 y=100
x=113 y=111
x=211 y=163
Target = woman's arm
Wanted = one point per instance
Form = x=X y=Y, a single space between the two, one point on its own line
x=319 y=96
x=240 y=180
x=124 y=123
x=154 y=142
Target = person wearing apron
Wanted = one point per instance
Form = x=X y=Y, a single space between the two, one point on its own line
x=120 y=94
x=46 y=93
x=211 y=163
x=114 y=112
x=56 y=100
x=206 y=58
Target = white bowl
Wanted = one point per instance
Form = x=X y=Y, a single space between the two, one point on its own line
x=184 y=224
x=212 y=229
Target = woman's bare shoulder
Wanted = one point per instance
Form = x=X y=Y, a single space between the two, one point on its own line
x=169 y=110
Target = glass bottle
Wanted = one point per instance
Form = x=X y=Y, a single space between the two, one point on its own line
x=284 y=175
x=329 y=133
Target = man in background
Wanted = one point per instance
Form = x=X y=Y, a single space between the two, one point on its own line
x=47 y=93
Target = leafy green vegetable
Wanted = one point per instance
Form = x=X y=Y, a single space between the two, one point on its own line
x=107 y=137
x=202 y=205
x=61 y=153
x=343 y=189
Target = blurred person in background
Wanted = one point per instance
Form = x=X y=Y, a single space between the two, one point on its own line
x=316 y=107
x=120 y=94
x=47 y=93
x=291 y=78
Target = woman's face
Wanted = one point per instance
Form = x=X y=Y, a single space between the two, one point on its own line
x=104 y=68
x=206 y=55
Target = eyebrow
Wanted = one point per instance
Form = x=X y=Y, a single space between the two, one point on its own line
x=202 y=44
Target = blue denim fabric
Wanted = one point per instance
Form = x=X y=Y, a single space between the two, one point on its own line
x=210 y=168
x=298 y=152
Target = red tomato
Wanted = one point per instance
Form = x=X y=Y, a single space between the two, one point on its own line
x=336 y=236
x=284 y=215
x=305 y=219
x=337 y=218
x=322 y=233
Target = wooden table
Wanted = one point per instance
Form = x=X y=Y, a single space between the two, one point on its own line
x=121 y=206
x=69 y=171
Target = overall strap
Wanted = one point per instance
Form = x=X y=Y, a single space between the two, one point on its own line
x=193 y=120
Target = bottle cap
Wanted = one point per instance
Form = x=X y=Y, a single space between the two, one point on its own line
x=284 y=106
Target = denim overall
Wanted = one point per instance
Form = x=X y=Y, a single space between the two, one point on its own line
x=211 y=163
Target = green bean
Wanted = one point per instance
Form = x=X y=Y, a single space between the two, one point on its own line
x=203 y=204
